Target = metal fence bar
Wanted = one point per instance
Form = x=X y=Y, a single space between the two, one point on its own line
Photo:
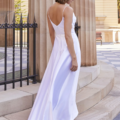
x=21 y=42
x=34 y=51
x=77 y=28
x=13 y=75
x=5 y=62
x=28 y=49
x=17 y=80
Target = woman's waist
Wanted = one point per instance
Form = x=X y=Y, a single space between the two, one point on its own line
x=63 y=34
x=60 y=39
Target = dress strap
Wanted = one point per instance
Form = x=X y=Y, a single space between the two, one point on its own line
x=49 y=17
x=64 y=8
x=66 y=5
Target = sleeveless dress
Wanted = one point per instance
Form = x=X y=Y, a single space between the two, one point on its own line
x=56 y=97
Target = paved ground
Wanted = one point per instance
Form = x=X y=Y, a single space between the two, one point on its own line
x=9 y=60
x=109 y=53
x=1 y=55
x=9 y=63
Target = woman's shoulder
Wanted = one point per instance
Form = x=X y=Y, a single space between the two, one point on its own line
x=68 y=9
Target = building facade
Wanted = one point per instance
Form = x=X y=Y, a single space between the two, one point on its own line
x=107 y=20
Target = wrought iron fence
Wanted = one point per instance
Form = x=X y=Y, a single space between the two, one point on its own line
x=21 y=44
x=77 y=28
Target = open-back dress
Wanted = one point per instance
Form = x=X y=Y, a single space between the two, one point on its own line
x=56 y=97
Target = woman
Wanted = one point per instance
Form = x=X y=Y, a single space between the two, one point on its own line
x=56 y=97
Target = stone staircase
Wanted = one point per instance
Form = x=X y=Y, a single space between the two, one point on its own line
x=108 y=107
x=97 y=97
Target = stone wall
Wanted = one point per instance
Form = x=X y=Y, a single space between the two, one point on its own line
x=107 y=8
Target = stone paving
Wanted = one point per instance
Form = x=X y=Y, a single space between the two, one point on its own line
x=9 y=63
x=109 y=53
x=1 y=55
x=9 y=60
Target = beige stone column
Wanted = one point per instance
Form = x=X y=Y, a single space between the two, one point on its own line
x=85 y=13
x=114 y=36
x=43 y=43
x=6 y=7
x=118 y=36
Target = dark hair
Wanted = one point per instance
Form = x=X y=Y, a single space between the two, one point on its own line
x=62 y=1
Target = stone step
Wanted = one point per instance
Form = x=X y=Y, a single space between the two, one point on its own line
x=87 y=75
x=94 y=92
x=18 y=99
x=22 y=98
x=3 y=118
x=14 y=101
x=22 y=115
x=107 y=108
x=17 y=84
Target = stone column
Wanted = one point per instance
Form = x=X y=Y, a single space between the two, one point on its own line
x=85 y=13
x=119 y=36
x=114 y=36
x=38 y=8
x=103 y=36
x=6 y=7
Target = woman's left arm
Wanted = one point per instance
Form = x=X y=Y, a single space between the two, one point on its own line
x=51 y=30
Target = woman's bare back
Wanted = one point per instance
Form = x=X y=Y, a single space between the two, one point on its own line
x=56 y=13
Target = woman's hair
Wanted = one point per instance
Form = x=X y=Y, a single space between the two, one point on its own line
x=62 y=1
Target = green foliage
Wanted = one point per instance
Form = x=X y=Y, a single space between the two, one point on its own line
x=19 y=10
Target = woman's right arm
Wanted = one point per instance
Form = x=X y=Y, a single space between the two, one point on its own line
x=68 y=17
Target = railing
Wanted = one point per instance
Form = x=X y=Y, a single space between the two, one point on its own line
x=77 y=28
x=20 y=26
x=21 y=43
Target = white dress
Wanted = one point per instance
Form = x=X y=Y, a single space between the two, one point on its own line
x=56 y=97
